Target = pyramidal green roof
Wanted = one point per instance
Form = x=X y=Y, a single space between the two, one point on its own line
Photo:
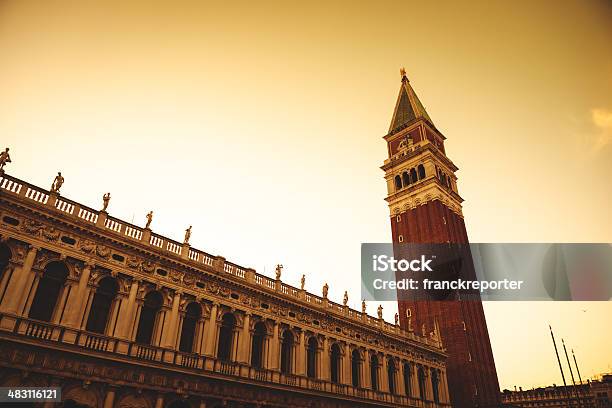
x=408 y=106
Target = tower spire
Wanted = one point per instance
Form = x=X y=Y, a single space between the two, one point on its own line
x=408 y=107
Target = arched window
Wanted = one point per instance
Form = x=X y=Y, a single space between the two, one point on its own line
x=257 y=353
x=398 y=182
x=391 y=374
x=48 y=291
x=407 y=384
x=193 y=311
x=226 y=337
x=405 y=178
x=413 y=175
x=435 y=381
x=311 y=357
x=421 y=378
x=335 y=363
x=99 y=311
x=287 y=352
x=153 y=301
x=356 y=368
x=421 y=170
x=374 y=372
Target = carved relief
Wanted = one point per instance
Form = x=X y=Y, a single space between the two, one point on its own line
x=132 y=262
x=189 y=279
x=32 y=227
x=103 y=251
x=95 y=275
x=147 y=266
x=19 y=251
x=175 y=276
x=50 y=233
x=87 y=246
x=206 y=307
x=43 y=257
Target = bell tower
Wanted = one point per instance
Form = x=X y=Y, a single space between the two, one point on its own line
x=425 y=208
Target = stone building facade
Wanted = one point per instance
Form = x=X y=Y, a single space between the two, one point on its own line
x=593 y=394
x=119 y=316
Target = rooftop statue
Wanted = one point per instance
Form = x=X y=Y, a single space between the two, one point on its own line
x=325 y=290
x=396 y=319
x=279 y=269
x=345 y=299
x=149 y=219
x=187 y=235
x=303 y=282
x=380 y=309
x=4 y=159
x=363 y=306
x=58 y=181
x=105 y=200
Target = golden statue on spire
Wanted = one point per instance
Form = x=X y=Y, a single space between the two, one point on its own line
x=403 y=72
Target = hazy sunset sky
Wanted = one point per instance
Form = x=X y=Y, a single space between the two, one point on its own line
x=261 y=126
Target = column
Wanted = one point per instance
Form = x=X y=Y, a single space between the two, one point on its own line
x=127 y=320
x=16 y=286
x=245 y=337
x=346 y=376
x=384 y=374
x=202 y=404
x=414 y=381
x=110 y=397
x=399 y=379
x=211 y=332
x=159 y=403
x=74 y=305
x=428 y=387
x=170 y=330
x=274 y=348
x=325 y=361
x=301 y=355
x=366 y=379
x=199 y=341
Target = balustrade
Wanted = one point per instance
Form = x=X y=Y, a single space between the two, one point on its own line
x=192 y=361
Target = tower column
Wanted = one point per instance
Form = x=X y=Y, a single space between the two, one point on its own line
x=211 y=332
x=16 y=286
x=169 y=333
x=346 y=377
x=125 y=323
x=74 y=305
x=301 y=355
x=274 y=348
x=325 y=373
x=245 y=339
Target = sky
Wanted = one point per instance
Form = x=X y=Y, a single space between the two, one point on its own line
x=261 y=126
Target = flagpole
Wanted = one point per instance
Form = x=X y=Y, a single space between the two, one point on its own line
x=577 y=369
x=559 y=361
x=571 y=373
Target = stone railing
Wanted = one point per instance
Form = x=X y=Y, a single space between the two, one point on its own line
x=62 y=337
x=168 y=247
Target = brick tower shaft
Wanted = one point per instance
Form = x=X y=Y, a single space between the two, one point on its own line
x=425 y=208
